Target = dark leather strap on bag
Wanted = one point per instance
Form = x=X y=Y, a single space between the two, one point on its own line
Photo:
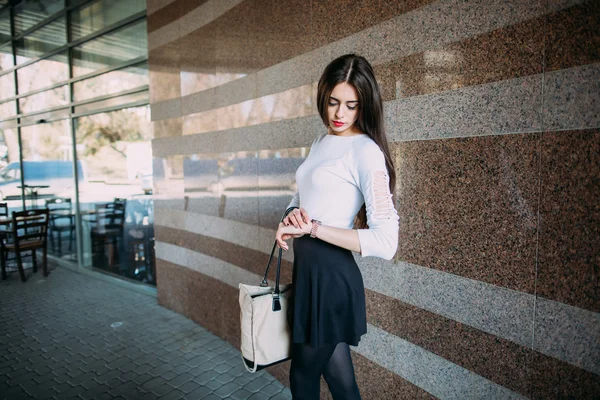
x=264 y=283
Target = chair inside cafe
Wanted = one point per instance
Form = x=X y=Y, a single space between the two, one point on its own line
x=28 y=233
x=61 y=224
x=107 y=235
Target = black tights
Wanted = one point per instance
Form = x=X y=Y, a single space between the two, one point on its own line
x=332 y=361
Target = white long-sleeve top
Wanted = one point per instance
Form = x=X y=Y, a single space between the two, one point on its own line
x=340 y=174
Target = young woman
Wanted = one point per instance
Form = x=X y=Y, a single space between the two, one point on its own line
x=343 y=204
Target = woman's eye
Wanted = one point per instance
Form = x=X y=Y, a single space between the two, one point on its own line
x=332 y=104
x=352 y=108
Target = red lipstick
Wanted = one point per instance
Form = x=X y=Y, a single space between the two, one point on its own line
x=338 y=123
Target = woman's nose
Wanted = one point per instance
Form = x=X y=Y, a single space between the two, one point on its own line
x=339 y=112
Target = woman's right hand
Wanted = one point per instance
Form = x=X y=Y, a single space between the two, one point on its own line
x=297 y=217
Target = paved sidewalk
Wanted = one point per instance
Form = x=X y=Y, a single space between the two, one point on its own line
x=72 y=336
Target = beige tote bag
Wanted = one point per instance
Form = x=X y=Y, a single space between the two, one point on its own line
x=266 y=334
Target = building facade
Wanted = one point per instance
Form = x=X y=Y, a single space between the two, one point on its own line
x=491 y=110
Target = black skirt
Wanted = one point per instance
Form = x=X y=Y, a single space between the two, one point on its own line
x=328 y=295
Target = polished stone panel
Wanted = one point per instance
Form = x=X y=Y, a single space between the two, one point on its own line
x=293 y=133
x=154 y=5
x=510 y=106
x=377 y=383
x=201 y=122
x=198 y=69
x=569 y=243
x=173 y=292
x=277 y=182
x=168 y=177
x=223 y=185
x=164 y=73
x=510 y=52
x=432 y=373
x=469 y=207
x=496 y=359
x=165 y=128
x=573 y=36
x=169 y=13
x=570 y=98
x=553 y=379
x=335 y=19
x=248 y=259
x=259 y=33
x=568 y=333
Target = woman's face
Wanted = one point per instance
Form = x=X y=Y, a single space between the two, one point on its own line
x=342 y=110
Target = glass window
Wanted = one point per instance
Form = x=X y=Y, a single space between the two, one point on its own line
x=41 y=41
x=48 y=169
x=43 y=73
x=9 y=138
x=115 y=101
x=40 y=101
x=117 y=151
x=103 y=13
x=4 y=25
x=8 y=109
x=49 y=141
x=29 y=13
x=6 y=57
x=50 y=115
x=111 y=82
x=7 y=86
x=111 y=49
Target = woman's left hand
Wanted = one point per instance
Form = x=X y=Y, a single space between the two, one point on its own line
x=288 y=232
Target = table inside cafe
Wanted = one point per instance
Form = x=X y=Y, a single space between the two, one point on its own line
x=33 y=192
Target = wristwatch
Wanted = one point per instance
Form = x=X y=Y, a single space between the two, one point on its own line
x=315 y=226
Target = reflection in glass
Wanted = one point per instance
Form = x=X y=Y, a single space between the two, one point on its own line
x=111 y=49
x=29 y=13
x=7 y=86
x=48 y=115
x=9 y=145
x=277 y=182
x=41 y=41
x=8 y=109
x=115 y=101
x=112 y=82
x=48 y=99
x=4 y=25
x=224 y=185
x=50 y=181
x=168 y=179
x=118 y=229
x=6 y=57
x=43 y=73
x=103 y=13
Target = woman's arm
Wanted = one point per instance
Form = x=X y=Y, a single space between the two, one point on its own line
x=345 y=238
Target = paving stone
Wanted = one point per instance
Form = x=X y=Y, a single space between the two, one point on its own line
x=162 y=389
x=189 y=386
x=173 y=395
x=71 y=393
x=258 y=396
x=123 y=388
x=199 y=393
x=256 y=384
x=206 y=377
x=214 y=384
x=64 y=347
x=240 y=394
x=225 y=390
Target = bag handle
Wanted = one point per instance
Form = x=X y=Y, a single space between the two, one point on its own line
x=264 y=282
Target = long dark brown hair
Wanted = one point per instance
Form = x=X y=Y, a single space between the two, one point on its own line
x=356 y=71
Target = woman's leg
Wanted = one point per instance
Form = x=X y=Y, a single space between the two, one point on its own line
x=308 y=364
x=339 y=374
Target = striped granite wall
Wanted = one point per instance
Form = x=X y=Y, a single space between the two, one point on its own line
x=492 y=111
